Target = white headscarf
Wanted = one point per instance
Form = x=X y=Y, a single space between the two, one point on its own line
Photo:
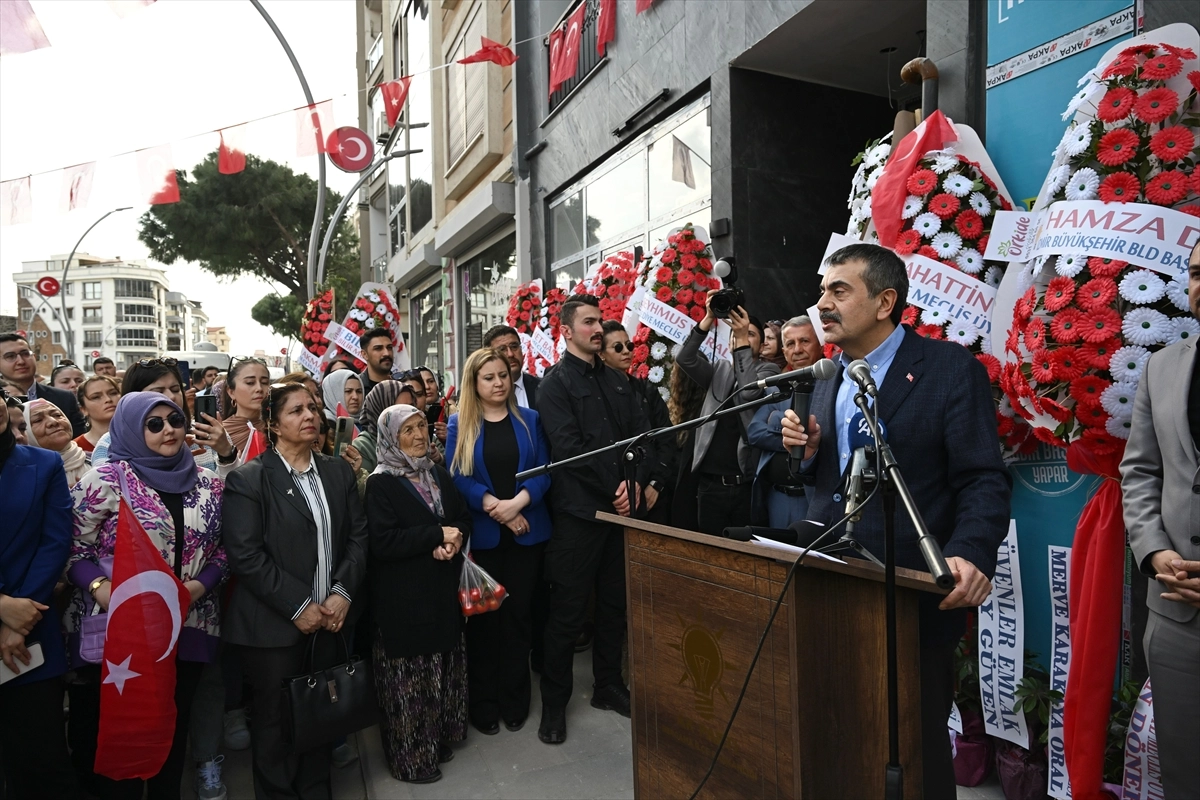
x=333 y=390
x=73 y=456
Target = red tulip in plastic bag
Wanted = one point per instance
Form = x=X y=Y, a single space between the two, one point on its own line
x=478 y=592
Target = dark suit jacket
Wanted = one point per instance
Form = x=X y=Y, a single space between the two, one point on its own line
x=942 y=429
x=271 y=542
x=67 y=404
x=35 y=540
x=531 y=383
x=414 y=596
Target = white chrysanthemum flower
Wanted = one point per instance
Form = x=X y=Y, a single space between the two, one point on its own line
x=1145 y=326
x=1181 y=329
x=877 y=155
x=1083 y=185
x=1177 y=293
x=966 y=335
x=928 y=224
x=981 y=204
x=1076 y=140
x=656 y=374
x=1128 y=363
x=969 y=261
x=1006 y=408
x=933 y=316
x=912 y=206
x=943 y=162
x=958 y=185
x=664 y=393
x=1024 y=279
x=658 y=351
x=1058 y=178
x=675 y=350
x=1118 y=399
x=1142 y=286
x=1088 y=95
x=866 y=207
x=947 y=244
x=1069 y=264
x=873 y=178
x=985 y=344
x=993 y=276
x=1118 y=428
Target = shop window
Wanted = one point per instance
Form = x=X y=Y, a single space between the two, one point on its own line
x=426 y=341
x=679 y=166
x=616 y=201
x=566 y=224
x=489 y=280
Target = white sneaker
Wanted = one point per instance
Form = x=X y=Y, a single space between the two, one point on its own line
x=237 y=735
x=208 y=780
x=345 y=754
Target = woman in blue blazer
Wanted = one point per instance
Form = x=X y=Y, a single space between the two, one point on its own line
x=35 y=540
x=488 y=442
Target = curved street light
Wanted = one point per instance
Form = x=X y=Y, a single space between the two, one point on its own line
x=62 y=289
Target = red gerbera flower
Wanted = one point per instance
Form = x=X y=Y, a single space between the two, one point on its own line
x=1105 y=267
x=1173 y=143
x=944 y=205
x=1087 y=390
x=686 y=277
x=697 y=313
x=663 y=274
x=1122 y=65
x=1065 y=327
x=684 y=296
x=1035 y=334
x=1010 y=343
x=1193 y=210
x=931 y=331
x=1167 y=188
x=699 y=298
x=1004 y=425
x=1097 y=354
x=1116 y=104
x=990 y=363
x=1162 y=67
x=1194 y=79
x=681 y=308
x=982 y=244
x=1095 y=294
x=1116 y=147
x=1041 y=366
x=668 y=255
x=663 y=294
x=687 y=261
x=1091 y=415
x=1100 y=325
x=1055 y=409
x=1156 y=105
x=929 y=252
x=1046 y=436
x=922 y=182
x=1059 y=293
x=908 y=242
x=909 y=316
x=1196 y=178
x=1026 y=303
x=1067 y=364
x=642 y=371
x=1120 y=187
x=969 y=224
x=641 y=352
x=1185 y=53
x=1102 y=444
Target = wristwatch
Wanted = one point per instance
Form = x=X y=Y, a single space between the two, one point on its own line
x=656 y=485
x=96 y=584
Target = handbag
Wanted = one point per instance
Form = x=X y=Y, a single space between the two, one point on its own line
x=326 y=704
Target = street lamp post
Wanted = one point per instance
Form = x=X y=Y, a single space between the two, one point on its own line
x=62 y=289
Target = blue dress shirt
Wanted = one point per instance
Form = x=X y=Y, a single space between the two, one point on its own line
x=879 y=359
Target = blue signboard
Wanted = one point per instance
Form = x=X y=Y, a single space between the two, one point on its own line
x=1015 y=26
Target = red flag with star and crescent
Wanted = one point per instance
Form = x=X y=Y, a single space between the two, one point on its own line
x=137 y=690
x=394 y=94
x=493 y=52
x=256 y=445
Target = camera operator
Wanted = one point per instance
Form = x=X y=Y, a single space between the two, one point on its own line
x=722 y=458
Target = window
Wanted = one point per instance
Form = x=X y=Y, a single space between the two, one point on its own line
x=93 y=339
x=91 y=290
x=488 y=280
x=377 y=127
x=93 y=314
x=417 y=116
x=57 y=359
x=144 y=314
x=27 y=315
x=27 y=292
x=56 y=337
x=397 y=51
x=466 y=88
x=136 y=337
x=427 y=328
x=128 y=287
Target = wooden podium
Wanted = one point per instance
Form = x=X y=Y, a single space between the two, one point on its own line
x=814 y=720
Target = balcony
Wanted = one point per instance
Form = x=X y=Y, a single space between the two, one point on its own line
x=587 y=59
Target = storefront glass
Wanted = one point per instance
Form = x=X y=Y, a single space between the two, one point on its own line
x=488 y=280
x=426 y=339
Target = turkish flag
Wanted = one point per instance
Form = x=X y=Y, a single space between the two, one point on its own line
x=606 y=25
x=256 y=445
x=642 y=5
x=889 y=194
x=156 y=169
x=20 y=31
x=16 y=201
x=311 y=124
x=491 y=51
x=137 y=688
x=395 y=93
x=564 y=49
x=231 y=158
x=77 y=186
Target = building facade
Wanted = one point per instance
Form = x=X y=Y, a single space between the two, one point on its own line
x=218 y=337
x=187 y=322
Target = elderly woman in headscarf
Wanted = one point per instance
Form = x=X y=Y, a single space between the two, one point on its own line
x=178 y=504
x=47 y=427
x=342 y=388
x=419 y=523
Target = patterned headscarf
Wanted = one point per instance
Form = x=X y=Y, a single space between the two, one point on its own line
x=382 y=395
x=394 y=461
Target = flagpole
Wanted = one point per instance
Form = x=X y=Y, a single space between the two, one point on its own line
x=62 y=289
x=320 y=210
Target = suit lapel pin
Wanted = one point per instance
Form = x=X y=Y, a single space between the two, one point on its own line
x=910 y=377
x=291 y=495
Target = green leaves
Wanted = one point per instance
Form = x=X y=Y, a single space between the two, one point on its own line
x=281 y=313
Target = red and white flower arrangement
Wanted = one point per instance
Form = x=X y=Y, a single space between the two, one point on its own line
x=318 y=313
x=374 y=308
x=613 y=284
x=1086 y=326
x=524 y=309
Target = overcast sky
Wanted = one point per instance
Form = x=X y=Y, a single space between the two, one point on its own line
x=164 y=74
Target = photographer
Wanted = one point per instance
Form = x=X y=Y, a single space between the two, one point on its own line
x=723 y=460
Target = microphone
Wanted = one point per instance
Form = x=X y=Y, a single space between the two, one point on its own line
x=862 y=443
x=802 y=533
x=823 y=370
x=801 y=402
x=860 y=372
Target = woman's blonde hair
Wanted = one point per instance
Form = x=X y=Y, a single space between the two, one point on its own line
x=470 y=410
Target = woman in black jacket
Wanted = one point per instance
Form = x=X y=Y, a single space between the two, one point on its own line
x=296 y=539
x=419 y=524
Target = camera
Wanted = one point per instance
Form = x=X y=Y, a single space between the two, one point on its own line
x=726 y=300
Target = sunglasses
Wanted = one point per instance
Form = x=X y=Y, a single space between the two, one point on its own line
x=156 y=424
x=621 y=347
x=154 y=362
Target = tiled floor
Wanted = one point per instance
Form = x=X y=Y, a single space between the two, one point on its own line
x=594 y=762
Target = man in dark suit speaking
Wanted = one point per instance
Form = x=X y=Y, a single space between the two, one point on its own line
x=936 y=402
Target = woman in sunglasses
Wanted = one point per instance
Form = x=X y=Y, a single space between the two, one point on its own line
x=179 y=506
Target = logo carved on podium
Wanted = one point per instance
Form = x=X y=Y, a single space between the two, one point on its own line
x=704 y=665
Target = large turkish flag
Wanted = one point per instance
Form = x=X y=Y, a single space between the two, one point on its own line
x=137 y=691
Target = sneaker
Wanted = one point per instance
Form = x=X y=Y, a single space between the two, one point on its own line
x=345 y=754
x=208 y=780
x=237 y=735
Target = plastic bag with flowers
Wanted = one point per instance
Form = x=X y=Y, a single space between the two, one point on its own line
x=613 y=283
x=1085 y=326
x=318 y=313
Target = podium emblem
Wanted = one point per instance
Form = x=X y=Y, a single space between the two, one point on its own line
x=704 y=665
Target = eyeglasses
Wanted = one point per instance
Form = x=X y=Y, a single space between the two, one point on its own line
x=621 y=347
x=154 y=362
x=174 y=419
x=508 y=348
x=18 y=355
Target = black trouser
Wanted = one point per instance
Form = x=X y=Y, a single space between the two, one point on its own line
x=33 y=742
x=720 y=506
x=84 y=729
x=581 y=555
x=498 y=642
x=937 y=695
x=278 y=771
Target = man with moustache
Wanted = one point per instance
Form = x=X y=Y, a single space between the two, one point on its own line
x=936 y=401
x=506 y=340
x=779 y=498
x=586 y=406
x=1160 y=482
x=377 y=349
x=19 y=367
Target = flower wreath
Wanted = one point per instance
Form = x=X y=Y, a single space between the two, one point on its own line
x=524 y=308
x=548 y=321
x=317 y=315
x=372 y=309
x=613 y=284
x=1086 y=326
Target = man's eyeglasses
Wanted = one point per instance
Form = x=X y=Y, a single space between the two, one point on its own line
x=18 y=355
x=621 y=347
x=154 y=362
x=507 y=348
x=174 y=419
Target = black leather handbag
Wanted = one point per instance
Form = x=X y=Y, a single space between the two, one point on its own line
x=326 y=704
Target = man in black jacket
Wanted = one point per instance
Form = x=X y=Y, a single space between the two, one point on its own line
x=586 y=406
x=505 y=339
x=18 y=366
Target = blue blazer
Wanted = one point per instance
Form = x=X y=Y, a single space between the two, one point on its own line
x=35 y=541
x=534 y=452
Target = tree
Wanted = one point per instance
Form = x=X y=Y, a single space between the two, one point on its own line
x=256 y=222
